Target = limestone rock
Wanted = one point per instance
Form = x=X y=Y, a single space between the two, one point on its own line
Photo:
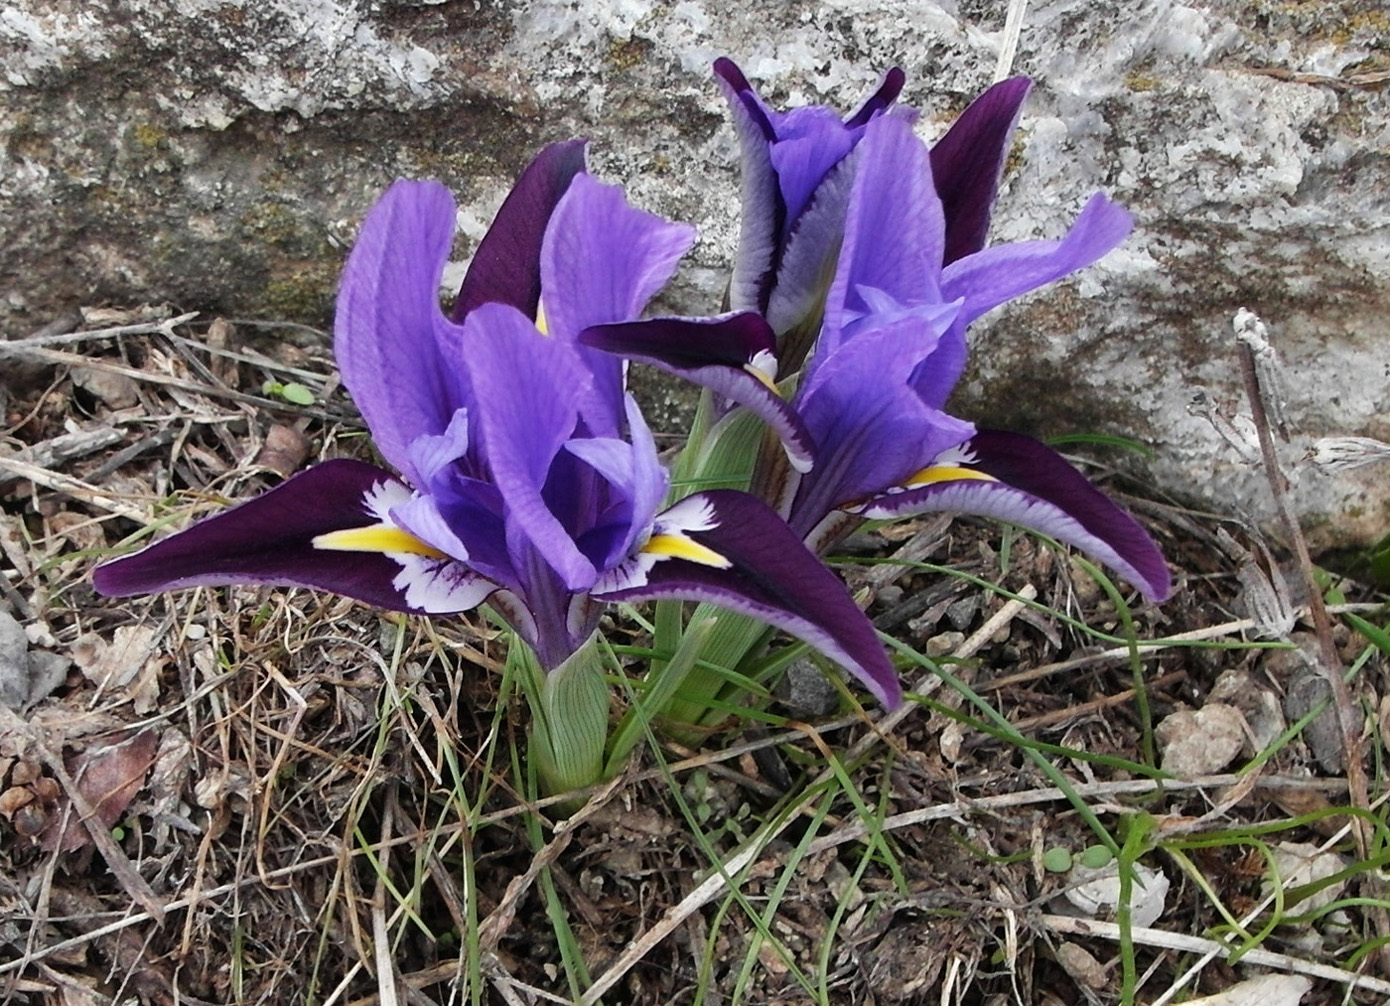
x=219 y=154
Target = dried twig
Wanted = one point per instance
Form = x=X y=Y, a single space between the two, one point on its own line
x=66 y=447
x=73 y=487
x=1249 y=337
x=24 y=347
x=1252 y=344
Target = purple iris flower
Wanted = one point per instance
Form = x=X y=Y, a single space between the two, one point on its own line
x=795 y=187
x=869 y=437
x=528 y=478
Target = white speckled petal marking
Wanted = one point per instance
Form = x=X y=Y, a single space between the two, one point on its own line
x=668 y=540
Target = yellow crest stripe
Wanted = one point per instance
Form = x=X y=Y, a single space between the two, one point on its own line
x=762 y=375
x=376 y=538
x=679 y=547
x=946 y=473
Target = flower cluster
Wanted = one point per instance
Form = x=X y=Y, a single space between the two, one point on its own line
x=522 y=474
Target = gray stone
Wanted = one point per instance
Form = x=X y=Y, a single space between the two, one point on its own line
x=1200 y=743
x=219 y=155
x=47 y=670
x=14 y=664
x=806 y=691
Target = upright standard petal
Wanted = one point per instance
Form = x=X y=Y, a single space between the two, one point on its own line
x=279 y=538
x=763 y=212
x=967 y=162
x=728 y=548
x=394 y=347
x=788 y=160
x=1010 y=477
x=506 y=267
x=880 y=99
x=894 y=231
x=602 y=261
x=805 y=262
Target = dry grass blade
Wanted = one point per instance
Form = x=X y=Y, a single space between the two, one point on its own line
x=1201 y=945
x=713 y=885
x=73 y=487
x=501 y=917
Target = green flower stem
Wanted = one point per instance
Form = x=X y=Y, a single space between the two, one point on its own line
x=569 y=715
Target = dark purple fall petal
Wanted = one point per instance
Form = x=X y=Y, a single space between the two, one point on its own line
x=395 y=349
x=506 y=266
x=967 y=162
x=729 y=340
x=1038 y=489
x=884 y=95
x=713 y=353
x=774 y=578
x=268 y=540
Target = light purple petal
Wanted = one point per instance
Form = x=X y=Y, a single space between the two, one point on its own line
x=805 y=262
x=603 y=260
x=395 y=349
x=529 y=387
x=269 y=540
x=870 y=427
x=935 y=377
x=650 y=478
x=894 y=228
x=634 y=468
x=810 y=141
x=762 y=215
x=463 y=517
x=772 y=577
x=789 y=162
x=967 y=162
x=1038 y=489
x=431 y=454
x=714 y=353
x=996 y=275
x=506 y=266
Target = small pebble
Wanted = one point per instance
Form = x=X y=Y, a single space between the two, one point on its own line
x=1203 y=742
x=890 y=595
x=47 y=671
x=946 y=642
x=961 y=614
x=806 y=690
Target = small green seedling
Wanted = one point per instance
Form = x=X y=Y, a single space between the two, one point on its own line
x=293 y=392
